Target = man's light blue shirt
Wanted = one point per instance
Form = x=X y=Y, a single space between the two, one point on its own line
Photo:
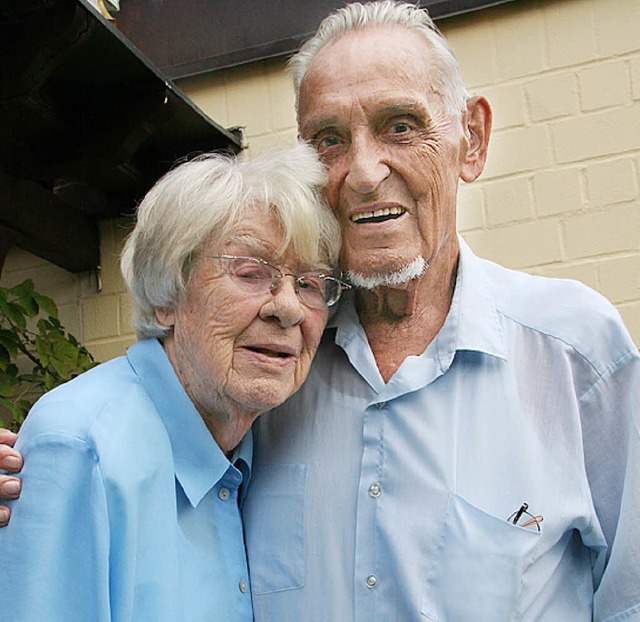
x=374 y=502
x=130 y=509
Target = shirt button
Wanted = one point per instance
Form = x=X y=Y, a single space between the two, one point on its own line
x=375 y=490
x=243 y=586
x=224 y=494
x=372 y=582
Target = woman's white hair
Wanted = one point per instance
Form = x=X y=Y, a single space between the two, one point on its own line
x=386 y=13
x=209 y=196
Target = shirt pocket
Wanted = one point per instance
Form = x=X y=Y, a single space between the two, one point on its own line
x=274 y=527
x=476 y=571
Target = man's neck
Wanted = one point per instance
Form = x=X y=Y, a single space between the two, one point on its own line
x=403 y=321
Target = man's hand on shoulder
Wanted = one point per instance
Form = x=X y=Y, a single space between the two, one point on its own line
x=10 y=461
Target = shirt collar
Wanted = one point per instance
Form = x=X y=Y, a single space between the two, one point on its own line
x=199 y=463
x=478 y=321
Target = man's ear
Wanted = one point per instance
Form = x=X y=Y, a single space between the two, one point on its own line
x=166 y=317
x=478 y=129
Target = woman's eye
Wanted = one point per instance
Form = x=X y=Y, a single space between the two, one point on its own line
x=253 y=273
x=311 y=282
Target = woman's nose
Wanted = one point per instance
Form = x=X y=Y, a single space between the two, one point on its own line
x=284 y=304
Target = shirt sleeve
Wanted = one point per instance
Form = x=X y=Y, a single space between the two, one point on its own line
x=611 y=426
x=54 y=553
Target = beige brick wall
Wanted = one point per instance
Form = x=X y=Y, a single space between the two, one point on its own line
x=92 y=306
x=560 y=194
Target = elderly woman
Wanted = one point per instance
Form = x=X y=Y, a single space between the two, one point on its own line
x=135 y=471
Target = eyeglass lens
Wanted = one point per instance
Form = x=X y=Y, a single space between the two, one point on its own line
x=257 y=276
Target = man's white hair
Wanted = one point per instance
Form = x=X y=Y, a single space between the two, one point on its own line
x=386 y=13
x=209 y=196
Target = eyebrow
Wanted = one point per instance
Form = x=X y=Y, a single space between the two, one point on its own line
x=253 y=247
x=402 y=108
x=317 y=125
x=251 y=244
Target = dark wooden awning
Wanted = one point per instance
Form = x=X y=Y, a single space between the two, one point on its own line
x=87 y=124
x=190 y=37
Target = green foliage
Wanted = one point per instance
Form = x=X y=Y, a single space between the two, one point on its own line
x=53 y=355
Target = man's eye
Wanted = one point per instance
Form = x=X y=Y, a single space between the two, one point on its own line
x=327 y=141
x=400 y=127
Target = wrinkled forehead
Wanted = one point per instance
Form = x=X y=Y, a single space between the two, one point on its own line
x=255 y=227
x=260 y=234
x=369 y=65
x=368 y=50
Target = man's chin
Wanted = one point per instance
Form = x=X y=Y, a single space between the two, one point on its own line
x=392 y=278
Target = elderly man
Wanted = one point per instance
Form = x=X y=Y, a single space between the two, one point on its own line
x=466 y=445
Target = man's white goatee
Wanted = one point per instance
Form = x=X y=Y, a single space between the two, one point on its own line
x=392 y=279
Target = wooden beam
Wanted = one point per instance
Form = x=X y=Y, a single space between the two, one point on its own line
x=7 y=242
x=48 y=227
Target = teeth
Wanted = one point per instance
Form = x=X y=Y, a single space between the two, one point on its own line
x=379 y=213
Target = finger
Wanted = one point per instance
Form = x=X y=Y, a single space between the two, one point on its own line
x=9 y=487
x=7 y=437
x=10 y=459
x=4 y=516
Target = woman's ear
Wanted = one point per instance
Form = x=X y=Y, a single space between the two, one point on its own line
x=166 y=317
x=478 y=129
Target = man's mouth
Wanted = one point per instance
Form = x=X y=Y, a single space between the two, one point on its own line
x=378 y=215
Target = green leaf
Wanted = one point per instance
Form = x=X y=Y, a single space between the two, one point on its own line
x=14 y=313
x=10 y=341
x=55 y=322
x=25 y=294
x=5 y=357
x=54 y=354
x=30 y=306
x=24 y=289
x=19 y=411
x=8 y=385
x=46 y=304
x=62 y=369
x=44 y=325
x=65 y=351
x=34 y=379
x=85 y=361
x=43 y=348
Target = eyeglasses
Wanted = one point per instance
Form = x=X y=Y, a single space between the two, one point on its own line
x=257 y=276
x=530 y=519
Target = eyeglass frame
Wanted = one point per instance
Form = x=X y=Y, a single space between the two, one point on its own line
x=531 y=519
x=278 y=275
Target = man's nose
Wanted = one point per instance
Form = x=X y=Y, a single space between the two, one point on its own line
x=284 y=304
x=367 y=170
